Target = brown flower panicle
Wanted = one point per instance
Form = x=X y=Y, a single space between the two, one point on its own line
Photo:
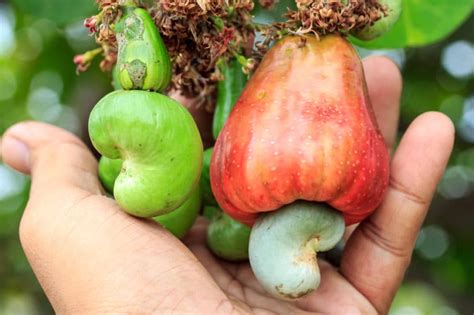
x=199 y=33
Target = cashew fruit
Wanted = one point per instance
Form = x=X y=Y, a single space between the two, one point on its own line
x=109 y=170
x=303 y=128
x=160 y=145
x=205 y=181
x=228 y=92
x=301 y=155
x=177 y=222
x=180 y=221
x=143 y=61
x=227 y=238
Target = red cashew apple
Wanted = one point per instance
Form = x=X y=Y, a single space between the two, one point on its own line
x=303 y=129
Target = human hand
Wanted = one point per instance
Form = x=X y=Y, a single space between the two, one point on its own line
x=91 y=257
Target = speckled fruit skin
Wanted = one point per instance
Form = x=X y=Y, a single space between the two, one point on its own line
x=303 y=128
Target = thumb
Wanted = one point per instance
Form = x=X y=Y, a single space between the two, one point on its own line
x=53 y=157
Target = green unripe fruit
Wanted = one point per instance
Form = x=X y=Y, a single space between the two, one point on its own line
x=227 y=238
x=160 y=145
x=228 y=92
x=210 y=211
x=383 y=25
x=284 y=243
x=109 y=170
x=143 y=61
x=205 y=182
x=115 y=79
x=182 y=219
x=177 y=222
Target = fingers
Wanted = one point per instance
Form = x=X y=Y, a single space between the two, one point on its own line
x=384 y=83
x=379 y=251
x=88 y=255
x=54 y=157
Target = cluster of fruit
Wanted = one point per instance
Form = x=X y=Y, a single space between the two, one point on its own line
x=298 y=154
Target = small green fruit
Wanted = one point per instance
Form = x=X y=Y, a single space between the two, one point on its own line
x=180 y=221
x=109 y=170
x=143 y=61
x=227 y=238
x=205 y=182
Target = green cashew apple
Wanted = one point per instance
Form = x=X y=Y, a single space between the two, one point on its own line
x=210 y=211
x=182 y=219
x=109 y=170
x=177 y=222
x=228 y=92
x=205 y=181
x=227 y=238
x=160 y=145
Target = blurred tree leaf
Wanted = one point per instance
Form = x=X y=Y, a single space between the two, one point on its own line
x=59 y=11
x=419 y=298
x=423 y=22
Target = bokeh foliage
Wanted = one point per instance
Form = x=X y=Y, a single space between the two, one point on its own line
x=38 y=39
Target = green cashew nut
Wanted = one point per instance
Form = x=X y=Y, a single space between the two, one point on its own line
x=182 y=219
x=143 y=61
x=227 y=238
x=160 y=145
x=109 y=170
x=283 y=246
x=228 y=92
x=383 y=25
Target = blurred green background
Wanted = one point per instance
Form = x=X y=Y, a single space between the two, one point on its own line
x=38 y=40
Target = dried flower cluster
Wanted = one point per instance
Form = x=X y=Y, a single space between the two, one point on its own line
x=199 y=33
x=101 y=26
x=322 y=17
x=335 y=16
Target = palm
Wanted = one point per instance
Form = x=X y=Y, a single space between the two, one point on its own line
x=336 y=295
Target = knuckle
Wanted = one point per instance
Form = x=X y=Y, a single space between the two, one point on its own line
x=407 y=193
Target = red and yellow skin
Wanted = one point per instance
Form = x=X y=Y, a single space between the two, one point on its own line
x=303 y=128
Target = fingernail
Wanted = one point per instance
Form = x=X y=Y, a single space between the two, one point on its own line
x=15 y=152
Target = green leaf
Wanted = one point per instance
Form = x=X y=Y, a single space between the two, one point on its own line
x=59 y=11
x=423 y=22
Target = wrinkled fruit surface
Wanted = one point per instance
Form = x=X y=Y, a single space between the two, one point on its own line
x=303 y=129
